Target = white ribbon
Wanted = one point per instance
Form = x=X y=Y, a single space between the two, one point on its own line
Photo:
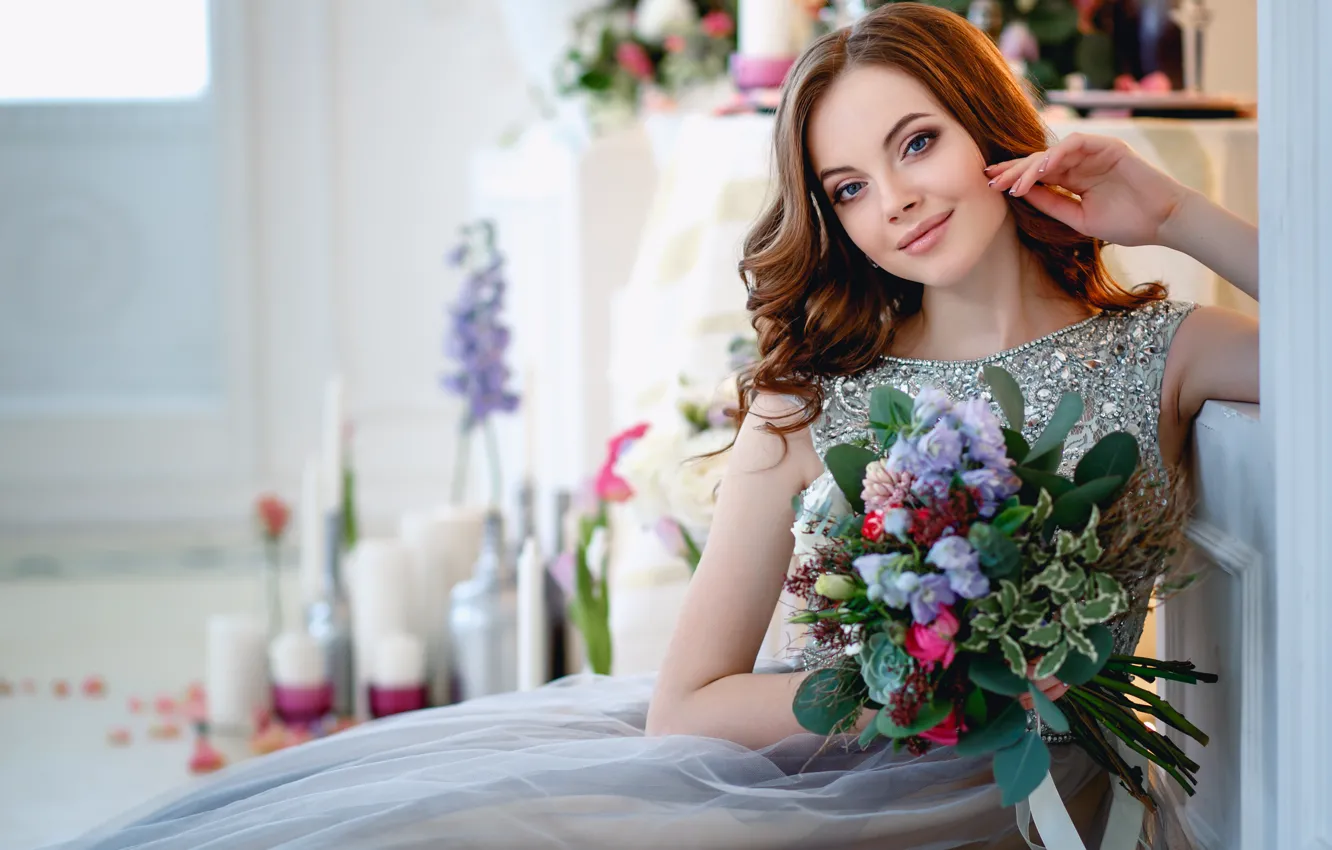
x=1123 y=829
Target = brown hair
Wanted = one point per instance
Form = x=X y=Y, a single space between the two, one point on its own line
x=819 y=307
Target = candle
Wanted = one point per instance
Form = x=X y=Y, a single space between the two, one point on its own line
x=312 y=533
x=399 y=661
x=532 y=627
x=380 y=591
x=767 y=28
x=331 y=447
x=237 y=672
x=296 y=661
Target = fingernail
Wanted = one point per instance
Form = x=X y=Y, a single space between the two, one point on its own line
x=1013 y=191
x=995 y=180
x=1044 y=163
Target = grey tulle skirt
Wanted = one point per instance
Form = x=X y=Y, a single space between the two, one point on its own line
x=568 y=766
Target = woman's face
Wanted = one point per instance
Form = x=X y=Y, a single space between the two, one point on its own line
x=906 y=180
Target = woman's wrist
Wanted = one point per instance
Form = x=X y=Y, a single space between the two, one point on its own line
x=1215 y=237
x=1174 y=231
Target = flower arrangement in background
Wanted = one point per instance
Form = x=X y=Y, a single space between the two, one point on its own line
x=626 y=45
x=272 y=514
x=478 y=340
x=952 y=575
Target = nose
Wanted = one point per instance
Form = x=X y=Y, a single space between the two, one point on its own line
x=899 y=197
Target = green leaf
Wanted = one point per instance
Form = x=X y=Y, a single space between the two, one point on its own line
x=1080 y=667
x=1049 y=462
x=999 y=555
x=1054 y=484
x=824 y=701
x=1052 y=661
x=1073 y=509
x=1044 y=637
x=986 y=623
x=1113 y=454
x=1011 y=520
x=1097 y=611
x=1012 y=651
x=1044 y=504
x=1015 y=445
x=1050 y=713
x=1066 y=415
x=976 y=642
x=974 y=709
x=1009 y=396
x=928 y=717
x=1095 y=57
x=1030 y=614
x=1009 y=596
x=1020 y=768
x=890 y=406
x=870 y=733
x=1001 y=732
x=1053 y=23
x=847 y=464
x=993 y=675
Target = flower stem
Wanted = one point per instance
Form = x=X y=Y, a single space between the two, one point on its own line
x=1167 y=712
x=493 y=453
x=461 y=457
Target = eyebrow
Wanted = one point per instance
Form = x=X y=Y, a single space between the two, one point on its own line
x=887 y=142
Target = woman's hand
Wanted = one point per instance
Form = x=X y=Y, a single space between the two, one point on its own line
x=1050 y=686
x=1120 y=197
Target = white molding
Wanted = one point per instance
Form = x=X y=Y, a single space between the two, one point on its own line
x=1225 y=550
x=1295 y=125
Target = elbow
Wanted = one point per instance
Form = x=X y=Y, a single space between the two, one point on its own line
x=664 y=717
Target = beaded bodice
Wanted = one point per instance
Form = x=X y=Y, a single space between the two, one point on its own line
x=1114 y=360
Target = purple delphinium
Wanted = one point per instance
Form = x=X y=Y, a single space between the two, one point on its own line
x=477 y=338
x=932 y=593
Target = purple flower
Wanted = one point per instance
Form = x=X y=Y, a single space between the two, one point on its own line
x=931 y=487
x=897 y=522
x=897 y=593
x=478 y=340
x=930 y=595
x=940 y=450
x=931 y=403
x=985 y=437
x=969 y=583
x=953 y=553
x=992 y=486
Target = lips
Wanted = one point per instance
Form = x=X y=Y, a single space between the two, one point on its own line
x=923 y=231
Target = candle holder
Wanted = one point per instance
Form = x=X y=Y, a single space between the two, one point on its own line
x=397 y=700
x=759 y=72
x=302 y=705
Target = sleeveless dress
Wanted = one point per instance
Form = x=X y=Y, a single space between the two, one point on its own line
x=568 y=765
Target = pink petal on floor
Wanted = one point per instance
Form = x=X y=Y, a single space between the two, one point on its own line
x=60 y=688
x=165 y=705
x=164 y=731
x=94 y=687
x=135 y=705
x=118 y=736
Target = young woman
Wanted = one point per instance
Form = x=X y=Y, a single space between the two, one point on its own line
x=923 y=226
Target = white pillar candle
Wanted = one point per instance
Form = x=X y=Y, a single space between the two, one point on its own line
x=399 y=661
x=236 y=672
x=312 y=533
x=331 y=446
x=442 y=546
x=379 y=591
x=295 y=660
x=767 y=28
x=532 y=626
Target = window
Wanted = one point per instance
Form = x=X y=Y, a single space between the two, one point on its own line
x=103 y=50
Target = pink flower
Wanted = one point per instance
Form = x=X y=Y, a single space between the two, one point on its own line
x=934 y=642
x=717 y=24
x=633 y=57
x=273 y=515
x=675 y=44
x=611 y=487
x=873 y=528
x=946 y=733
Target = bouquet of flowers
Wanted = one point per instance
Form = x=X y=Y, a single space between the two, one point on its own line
x=946 y=565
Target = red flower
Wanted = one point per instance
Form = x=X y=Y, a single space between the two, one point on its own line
x=946 y=733
x=717 y=24
x=675 y=44
x=633 y=57
x=872 y=530
x=273 y=515
x=611 y=487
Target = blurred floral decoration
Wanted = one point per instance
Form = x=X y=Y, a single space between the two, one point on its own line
x=625 y=46
x=478 y=340
x=1047 y=39
x=272 y=515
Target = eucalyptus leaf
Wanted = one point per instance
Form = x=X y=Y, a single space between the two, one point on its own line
x=1113 y=454
x=847 y=464
x=1049 y=712
x=993 y=675
x=824 y=700
x=1048 y=462
x=1080 y=667
x=1066 y=415
x=1009 y=396
x=1021 y=768
x=974 y=709
x=1073 y=509
x=1001 y=732
x=890 y=406
x=1015 y=445
x=1054 y=484
x=1011 y=520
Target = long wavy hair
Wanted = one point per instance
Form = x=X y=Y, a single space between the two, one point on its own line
x=819 y=307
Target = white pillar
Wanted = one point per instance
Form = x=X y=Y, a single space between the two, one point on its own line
x=1295 y=180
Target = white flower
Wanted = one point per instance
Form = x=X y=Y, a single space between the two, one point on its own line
x=656 y=19
x=646 y=465
x=691 y=486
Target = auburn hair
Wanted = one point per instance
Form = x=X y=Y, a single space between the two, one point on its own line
x=819 y=307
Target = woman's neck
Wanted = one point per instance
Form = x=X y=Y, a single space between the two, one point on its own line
x=1007 y=300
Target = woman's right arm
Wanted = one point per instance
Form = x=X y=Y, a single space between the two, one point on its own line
x=707 y=685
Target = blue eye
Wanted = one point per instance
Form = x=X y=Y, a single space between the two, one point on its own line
x=919 y=143
x=845 y=194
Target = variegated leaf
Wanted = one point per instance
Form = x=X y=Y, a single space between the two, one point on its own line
x=1044 y=636
x=1040 y=556
x=1044 y=505
x=1053 y=660
x=1107 y=586
x=1080 y=643
x=1071 y=616
x=1065 y=544
x=977 y=642
x=1009 y=596
x=1013 y=655
x=1073 y=586
x=987 y=623
x=1052 y=576
x=1030 y=614
x=989 y=604
x=1097 y=611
